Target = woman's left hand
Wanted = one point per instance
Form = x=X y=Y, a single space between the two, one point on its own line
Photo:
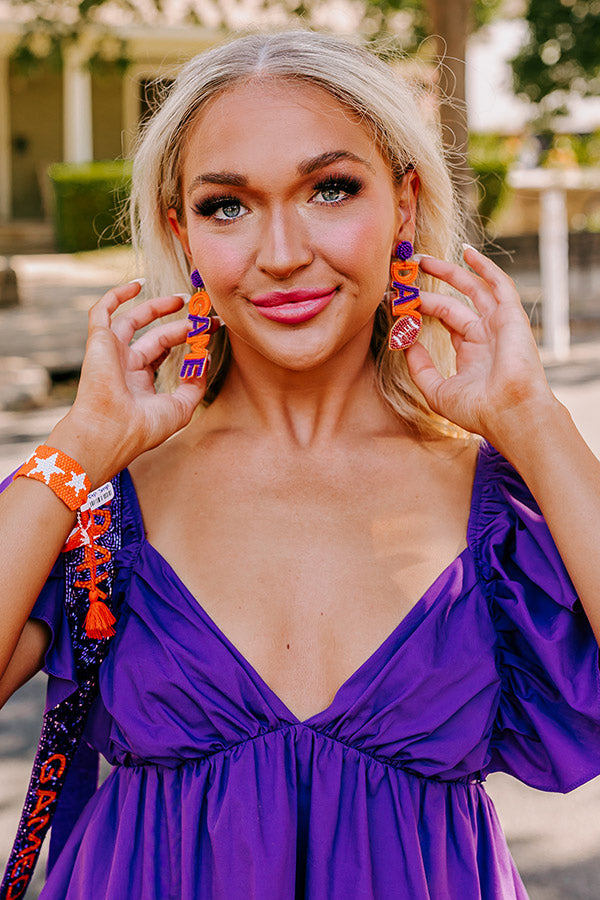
x=499 y=381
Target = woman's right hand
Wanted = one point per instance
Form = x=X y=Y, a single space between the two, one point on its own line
x=117 y=413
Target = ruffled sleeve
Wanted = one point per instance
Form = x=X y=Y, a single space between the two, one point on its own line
x=547 y=728
x=59 y=662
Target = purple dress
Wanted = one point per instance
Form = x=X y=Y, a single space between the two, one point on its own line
x=220 y=793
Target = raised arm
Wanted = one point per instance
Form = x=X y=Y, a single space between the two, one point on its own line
x=500 y=392
x=117 y=415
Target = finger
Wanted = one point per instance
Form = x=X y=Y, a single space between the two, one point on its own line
x=102 y=310
x=160 y=360
x=157 y=341
x=126 y=325
x=464 y=281
x=186 y=397
x=502 y=284
x=451 y=312
x=457 y=340
x=424 y=373
x=171 y=412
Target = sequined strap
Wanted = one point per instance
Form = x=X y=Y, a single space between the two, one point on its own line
x=63 y=725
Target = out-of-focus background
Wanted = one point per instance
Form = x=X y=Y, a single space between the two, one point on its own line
x=518 y=95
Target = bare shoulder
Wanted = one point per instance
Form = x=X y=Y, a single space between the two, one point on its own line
x=154 y=471
x=153 y=463
x=448 y=467
x=165 y=476
x=456 y=454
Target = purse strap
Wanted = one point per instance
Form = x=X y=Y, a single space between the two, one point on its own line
x=60 y=750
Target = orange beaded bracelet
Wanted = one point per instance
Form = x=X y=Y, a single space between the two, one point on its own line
x=69 y=482
x=60 y=473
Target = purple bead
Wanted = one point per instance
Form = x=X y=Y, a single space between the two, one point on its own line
x=193 y=367
x=404 y=250
x=197 y=279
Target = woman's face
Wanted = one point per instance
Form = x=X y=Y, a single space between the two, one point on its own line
x=290 y=216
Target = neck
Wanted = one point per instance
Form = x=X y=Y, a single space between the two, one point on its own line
x=305 y=408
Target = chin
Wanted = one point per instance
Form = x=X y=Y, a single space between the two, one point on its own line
x=304 y=363
x=306 y=351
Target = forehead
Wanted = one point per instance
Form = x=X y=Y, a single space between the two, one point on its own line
x=261 y=120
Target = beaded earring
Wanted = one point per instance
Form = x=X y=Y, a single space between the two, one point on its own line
x=196 y=359
x=405 y=298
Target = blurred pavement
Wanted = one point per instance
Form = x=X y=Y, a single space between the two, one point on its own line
x=555 y=839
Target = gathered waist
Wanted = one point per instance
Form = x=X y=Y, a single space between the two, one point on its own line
x=131 y=761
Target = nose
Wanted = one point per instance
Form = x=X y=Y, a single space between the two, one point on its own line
x=284 y=246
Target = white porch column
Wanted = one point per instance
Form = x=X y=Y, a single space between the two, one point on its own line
x=554 y=270
x=131 y=109
x=77 y=122
x=5 y=144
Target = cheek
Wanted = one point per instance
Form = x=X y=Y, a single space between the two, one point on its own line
x=361 y=246
x=220 y=262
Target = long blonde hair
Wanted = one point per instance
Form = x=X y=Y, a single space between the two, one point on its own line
x=386 y=103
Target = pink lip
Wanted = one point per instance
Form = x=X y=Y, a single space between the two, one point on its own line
x=293 y=307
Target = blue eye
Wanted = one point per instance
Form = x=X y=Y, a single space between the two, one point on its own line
x=221 y=209
x=331 y=195
x=230 y=210
x=336 y=189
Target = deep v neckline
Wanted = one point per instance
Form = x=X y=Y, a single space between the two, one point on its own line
x=401 y=630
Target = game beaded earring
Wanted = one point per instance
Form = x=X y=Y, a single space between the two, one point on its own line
x=196 y=359
x=405 y=298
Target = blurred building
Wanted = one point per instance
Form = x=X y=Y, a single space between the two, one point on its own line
x=82 y=113
x=78 y=114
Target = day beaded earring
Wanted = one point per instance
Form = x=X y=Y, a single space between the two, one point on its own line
x=196 y=359
x=405 y=298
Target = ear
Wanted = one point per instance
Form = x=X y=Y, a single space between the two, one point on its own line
x=407 y=192
x=180 y=232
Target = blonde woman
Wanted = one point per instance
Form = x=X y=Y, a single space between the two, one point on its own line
x=337 y=609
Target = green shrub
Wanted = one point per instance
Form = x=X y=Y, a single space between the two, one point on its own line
x=492 y=188
x=88 y=201
x=490 y=157
x=572 y=150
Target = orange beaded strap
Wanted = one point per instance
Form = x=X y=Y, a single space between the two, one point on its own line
x=93 y=570
x=405 y=298
x=61 y=473
x=68 y=481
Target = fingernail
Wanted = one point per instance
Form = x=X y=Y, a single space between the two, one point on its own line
x=140 y=281
x=216 y=322
x=417 y=257
x=470 y=247
x=184 y=297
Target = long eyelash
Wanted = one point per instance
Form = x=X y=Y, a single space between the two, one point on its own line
x=348 y=183
x=210 y=205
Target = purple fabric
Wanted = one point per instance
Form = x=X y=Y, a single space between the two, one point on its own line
x=220 y=793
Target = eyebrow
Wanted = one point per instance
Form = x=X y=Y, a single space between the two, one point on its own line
x=307 y=167
x=231 y=178
x=325 y=159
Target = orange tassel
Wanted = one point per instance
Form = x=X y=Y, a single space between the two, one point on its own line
x=99 y=619
x=90 y=526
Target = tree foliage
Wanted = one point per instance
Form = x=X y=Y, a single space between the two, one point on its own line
x=561 y=56
x=404 y=24
x=55 y=24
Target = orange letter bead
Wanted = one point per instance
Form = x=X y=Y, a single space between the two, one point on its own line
x=199 y=304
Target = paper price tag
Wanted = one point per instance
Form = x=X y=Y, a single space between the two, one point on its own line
x=101 y=495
